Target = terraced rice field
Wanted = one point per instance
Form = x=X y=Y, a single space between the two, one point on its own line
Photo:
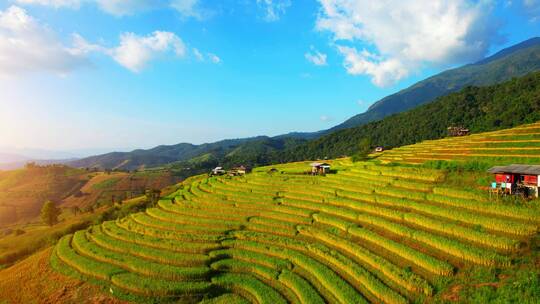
x=367 y=234
x=520 y=144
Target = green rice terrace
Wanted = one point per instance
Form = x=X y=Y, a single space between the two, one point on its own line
x=366 y=233
x=520 y=144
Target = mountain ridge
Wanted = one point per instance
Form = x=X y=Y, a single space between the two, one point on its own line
x=480 y=109
x=491 y=70
x=169 y=154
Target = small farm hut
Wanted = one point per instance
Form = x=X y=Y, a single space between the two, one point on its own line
x=458 y=131
x=218 y=171
x=379 y=149
x=517 y=179
x=240 y=170
x=319 y=168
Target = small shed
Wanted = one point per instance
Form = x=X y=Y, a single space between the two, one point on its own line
x=517 y=179
x=319 y=168
x=379 y=149
x=240 y=170
x=218 y=171
x=458 y=131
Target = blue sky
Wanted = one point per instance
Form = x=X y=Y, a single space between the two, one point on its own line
x=123 y=74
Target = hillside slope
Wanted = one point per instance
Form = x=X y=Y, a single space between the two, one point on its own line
x=41 y=284
x=368 y=233
x=504 y=147
x=514 y=61
x=23 y=191
x=480 y=109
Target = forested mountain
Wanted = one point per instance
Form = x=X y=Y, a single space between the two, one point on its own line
x=505 y=105
x=514 y=61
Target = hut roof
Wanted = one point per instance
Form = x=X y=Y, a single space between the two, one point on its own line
x=320 y=165
x=517 y=169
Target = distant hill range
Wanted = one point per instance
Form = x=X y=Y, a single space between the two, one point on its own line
x=515 y=61
x=11 y=158
x=16 y=158
x=247 y=150
x=21 y=162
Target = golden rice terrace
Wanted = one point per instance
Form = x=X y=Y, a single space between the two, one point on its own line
x=366 y=234
x=521 y=144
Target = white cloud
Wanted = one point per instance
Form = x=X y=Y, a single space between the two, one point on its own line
x=404 y=35
x=53 y=3
x=316 y=57
x=532 y=9
x=186 y=8
x=134 y=52
x=189 y=8
x=83 y=47
x=383 y=72
x=214 y=58
x=27 y=45
x=127 y=7
x=273 y=9
x=198 y=54
x=325 y=118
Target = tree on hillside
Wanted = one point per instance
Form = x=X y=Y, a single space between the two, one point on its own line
x=89 y=209
x=50 y=213
x=364 y=148
x=30 y=165
x=75 y=210
x=152 y=196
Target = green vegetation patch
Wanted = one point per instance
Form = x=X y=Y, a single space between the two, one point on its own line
x=107 y=184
